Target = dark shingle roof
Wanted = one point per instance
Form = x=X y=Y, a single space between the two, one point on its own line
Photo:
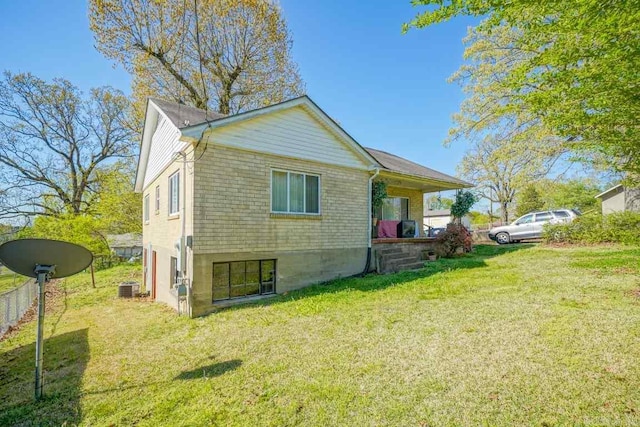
x=398 y=164
x=184 y=115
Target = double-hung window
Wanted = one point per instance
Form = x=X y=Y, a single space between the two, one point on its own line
x=174 y=194
x=145 y=208
x=295 y=192
x=157 y=199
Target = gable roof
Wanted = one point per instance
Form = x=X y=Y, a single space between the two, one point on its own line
x=616 y=188
x=192 y=122
x=183 y=116
x=398 y=164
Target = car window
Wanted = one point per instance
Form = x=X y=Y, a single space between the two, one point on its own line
x=527 y=219
x=561 y=214
x=544 y=216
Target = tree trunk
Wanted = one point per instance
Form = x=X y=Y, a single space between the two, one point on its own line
x=504 y=213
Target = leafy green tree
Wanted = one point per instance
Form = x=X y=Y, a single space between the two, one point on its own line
x=572 y=194
x=437 y=202
x=528 y=200
x=80 y=229
x=479 y=218
x=53 y=140
x=572 y=66
x=500 y=167
x=462 y=204
x=226 y=55
x=116 y=208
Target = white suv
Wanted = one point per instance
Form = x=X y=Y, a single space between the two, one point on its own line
x=529 y=226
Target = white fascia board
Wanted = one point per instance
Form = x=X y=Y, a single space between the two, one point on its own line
x=150 y=122
x=615 y=187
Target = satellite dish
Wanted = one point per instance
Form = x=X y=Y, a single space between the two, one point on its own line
x=22 y=256
x=43 y=259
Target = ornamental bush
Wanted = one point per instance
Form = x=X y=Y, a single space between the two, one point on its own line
x=454 y=237
x=619 y=227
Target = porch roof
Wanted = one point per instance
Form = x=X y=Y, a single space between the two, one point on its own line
x=405 y=173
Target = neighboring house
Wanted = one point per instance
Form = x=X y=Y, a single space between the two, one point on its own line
x=620 y=199
x=439 y=218
x=125 y=245
x=262 y=202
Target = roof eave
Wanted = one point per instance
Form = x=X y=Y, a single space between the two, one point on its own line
x=607 y=191
x=451 y=184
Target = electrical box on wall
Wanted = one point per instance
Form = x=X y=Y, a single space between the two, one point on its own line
x=190 y=242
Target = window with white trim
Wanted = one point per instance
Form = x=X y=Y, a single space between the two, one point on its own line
x=174 y=193
x=145 y=208
x=294 y=192
x=157 y=199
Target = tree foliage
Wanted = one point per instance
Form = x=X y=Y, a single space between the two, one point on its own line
x=462 y=204
x=501 y=167
x=573 y=67
x=528 y=200
x=438 y=202
x=116 y=208
x=225 y=55
x=53 y=141
x=83 y=230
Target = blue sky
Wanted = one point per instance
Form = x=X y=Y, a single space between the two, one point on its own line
x=388 y=90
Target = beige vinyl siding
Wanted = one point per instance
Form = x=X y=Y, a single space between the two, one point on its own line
x=164 y=144
x=293 y=133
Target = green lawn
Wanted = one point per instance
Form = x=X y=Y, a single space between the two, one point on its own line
x=10 y=280
x=515 y=335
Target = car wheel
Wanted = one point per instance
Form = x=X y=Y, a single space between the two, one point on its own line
x=502 y=238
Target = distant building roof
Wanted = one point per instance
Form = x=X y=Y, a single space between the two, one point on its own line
x=399 y=164
x=437 y=212
x=615 y=188
x=182 y=115
x=127 y=240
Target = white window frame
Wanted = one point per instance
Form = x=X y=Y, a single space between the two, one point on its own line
x=304 y=196
x=145 y=209
x=173 y=176
x=157 y=202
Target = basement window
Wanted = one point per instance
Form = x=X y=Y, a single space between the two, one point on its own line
x=238 y=279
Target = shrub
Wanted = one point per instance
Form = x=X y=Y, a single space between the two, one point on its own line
x=454 y=237
x=620 y=227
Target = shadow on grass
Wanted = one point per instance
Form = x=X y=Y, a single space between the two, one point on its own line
x=213 y=370
x=65 y=359
x=374 y=282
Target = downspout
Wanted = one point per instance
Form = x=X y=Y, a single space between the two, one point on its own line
x=369 y=213
x=183 y=239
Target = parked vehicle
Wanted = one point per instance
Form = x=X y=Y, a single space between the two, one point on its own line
x=529 y=226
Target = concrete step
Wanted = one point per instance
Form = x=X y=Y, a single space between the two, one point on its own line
x=397 y=256
x=401 y=260
x=406 y=264
x=390 y=251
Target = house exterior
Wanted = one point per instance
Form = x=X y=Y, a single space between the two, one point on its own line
x=620 y=199
x=261 y=202
x=126 y=245
x=439 y=218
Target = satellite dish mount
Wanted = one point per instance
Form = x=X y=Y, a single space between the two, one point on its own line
x=43 y=259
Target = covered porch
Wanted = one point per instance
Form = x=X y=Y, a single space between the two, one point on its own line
x=398 y=240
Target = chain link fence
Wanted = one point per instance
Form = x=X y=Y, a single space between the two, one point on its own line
x=15 y=302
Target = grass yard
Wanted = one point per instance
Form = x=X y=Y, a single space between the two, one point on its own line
x=509 y=335
x=10 y=280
